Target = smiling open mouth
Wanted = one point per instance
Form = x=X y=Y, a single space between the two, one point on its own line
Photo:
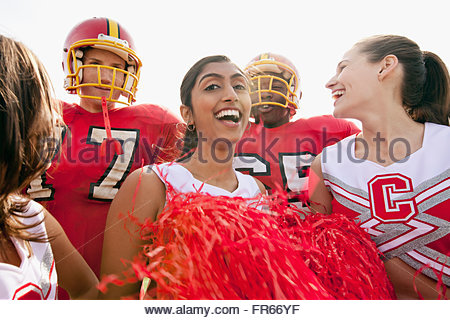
x=337 y=94
x=229 y=115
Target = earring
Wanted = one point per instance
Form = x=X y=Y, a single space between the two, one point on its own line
x=249 y=125
x=191 y=127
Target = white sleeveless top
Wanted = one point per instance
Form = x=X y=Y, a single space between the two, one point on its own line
x=35 y=278
x=405 y=206
x=183 y=181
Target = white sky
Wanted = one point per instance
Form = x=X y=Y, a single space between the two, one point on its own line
x=171 y=35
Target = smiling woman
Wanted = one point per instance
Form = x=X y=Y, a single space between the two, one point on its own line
x=187 y=89
x=216 y=107
x=399 y=191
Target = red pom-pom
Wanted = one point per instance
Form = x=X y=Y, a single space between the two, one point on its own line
x=223 y=248
x=340 y=253
x=204 y=247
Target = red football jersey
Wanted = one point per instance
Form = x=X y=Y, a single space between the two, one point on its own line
x=280 y=157
x=80 y=184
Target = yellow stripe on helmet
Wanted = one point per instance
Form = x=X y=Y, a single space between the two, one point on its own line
x=113 y=28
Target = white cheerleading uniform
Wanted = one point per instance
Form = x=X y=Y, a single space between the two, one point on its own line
x=183 y=182
x=405 y=207
x=35 y=278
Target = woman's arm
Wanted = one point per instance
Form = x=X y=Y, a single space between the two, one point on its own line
x=122 y=239
x=403 y=279
x=74 y=274
x=319 y=196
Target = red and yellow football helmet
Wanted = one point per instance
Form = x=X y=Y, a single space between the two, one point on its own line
x=266 y=69
x=106 y=34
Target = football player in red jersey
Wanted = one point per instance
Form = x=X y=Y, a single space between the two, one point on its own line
x=275 y=149
x=103 y=142
x=394 y=177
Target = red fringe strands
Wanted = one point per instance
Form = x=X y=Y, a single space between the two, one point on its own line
x=204 y=247
x=207 y=247
x=340 y=253
x=441 y=288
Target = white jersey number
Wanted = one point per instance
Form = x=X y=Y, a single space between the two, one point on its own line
x=107 y=186
x=38 y=189
x=293 y=168
x=253 y=163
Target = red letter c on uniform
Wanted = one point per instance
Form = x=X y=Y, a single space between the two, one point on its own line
x=384 y=193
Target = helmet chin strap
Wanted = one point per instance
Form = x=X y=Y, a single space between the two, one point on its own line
x=116 y=144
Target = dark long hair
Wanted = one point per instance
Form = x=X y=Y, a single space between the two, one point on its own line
x=425 y=89
x=27 y=122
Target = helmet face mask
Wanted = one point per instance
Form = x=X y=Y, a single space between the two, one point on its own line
x=108 y=35
x=274 y=82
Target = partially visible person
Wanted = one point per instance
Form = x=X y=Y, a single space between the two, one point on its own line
x=275 y=149
x=393 y=176
x=35 y=254
x=103 y=142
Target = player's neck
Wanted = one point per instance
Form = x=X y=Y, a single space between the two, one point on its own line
x=271 y=125
x=94 y=106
